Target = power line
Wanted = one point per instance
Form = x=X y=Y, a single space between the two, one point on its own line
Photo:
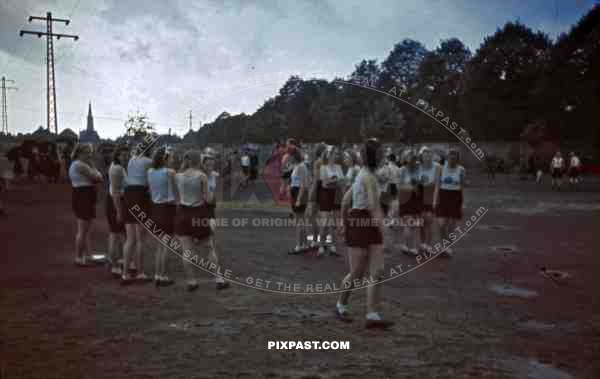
x=50 y=73
x=4 y=107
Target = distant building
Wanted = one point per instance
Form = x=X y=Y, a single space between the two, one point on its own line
x=89 y=135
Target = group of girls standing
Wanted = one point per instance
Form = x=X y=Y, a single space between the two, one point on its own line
x=180 y=203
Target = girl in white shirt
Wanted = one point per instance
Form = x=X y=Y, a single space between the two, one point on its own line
x=163 y=194
x=332 y=179
x=115 y=207
x=449 y=210
x=409 y=201
x=557 y=166
x=83 y=178
x=137 y=203
x=299 y=192
x=214 y=196
x=429 y=192
x=363 y=227
x=192 y=225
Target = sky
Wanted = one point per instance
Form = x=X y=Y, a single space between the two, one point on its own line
x=163 y=57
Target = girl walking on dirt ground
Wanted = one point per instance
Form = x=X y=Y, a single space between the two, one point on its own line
x=84 y=177
x=137 y=201
x=363 y=226
x=449 y=210
x=163 y=194
x=115 y=208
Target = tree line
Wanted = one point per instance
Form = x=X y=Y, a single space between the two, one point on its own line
x=518 y=85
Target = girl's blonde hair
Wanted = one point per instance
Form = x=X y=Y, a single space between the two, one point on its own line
x=79 y=148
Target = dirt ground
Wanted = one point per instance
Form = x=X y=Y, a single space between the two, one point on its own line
x=454 y=318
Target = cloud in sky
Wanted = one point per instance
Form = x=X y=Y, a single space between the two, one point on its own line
x=162 y=57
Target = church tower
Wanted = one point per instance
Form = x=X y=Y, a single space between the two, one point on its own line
x=90 y=120
x=89 y=135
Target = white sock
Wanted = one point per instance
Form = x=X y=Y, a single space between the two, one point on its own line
x=374 y=316
x=219 y=279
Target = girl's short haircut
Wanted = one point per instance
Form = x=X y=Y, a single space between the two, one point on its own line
x=117 y=151
x=159 y=158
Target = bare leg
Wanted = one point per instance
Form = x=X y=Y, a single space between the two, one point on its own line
x=375 y=292
x=128 y=248
x=139 y=249
x=80 y=238
x=188 y=267
x=358 y=265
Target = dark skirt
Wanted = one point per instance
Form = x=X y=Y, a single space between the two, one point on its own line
x=557 y=173
x=295 y=191
x=111 y=215
x=83 y=202
x=253 y=173
x=362 y=229
x=450 y=205
x=409 y=203
x=163 y=216
x=137 y=200
x=573 y=172
x=426 y=194
x=327 y=199
x=193 y=222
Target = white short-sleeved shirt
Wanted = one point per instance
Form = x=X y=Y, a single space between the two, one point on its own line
x=388 y=174
x=329 y=171
x=360 y=194
x=299 y=176
x=352 y=174
x=212 y=181
x=558 y=162
x=137 y=170
x=451 y=179
x=116 y=169
x=575 y=162
x=161 y=183
x=189 y=186
x=76 y=177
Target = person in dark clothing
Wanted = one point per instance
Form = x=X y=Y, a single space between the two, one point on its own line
x=253 y=167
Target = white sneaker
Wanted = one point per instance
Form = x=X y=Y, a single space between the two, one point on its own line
x=332 y=249
x=448 y=252
x=321 y=251
x=413 y=252
x=404 y=249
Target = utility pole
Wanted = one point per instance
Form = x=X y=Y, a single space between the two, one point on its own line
x=190 y=120
x=4 y=107
x=52 y=116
